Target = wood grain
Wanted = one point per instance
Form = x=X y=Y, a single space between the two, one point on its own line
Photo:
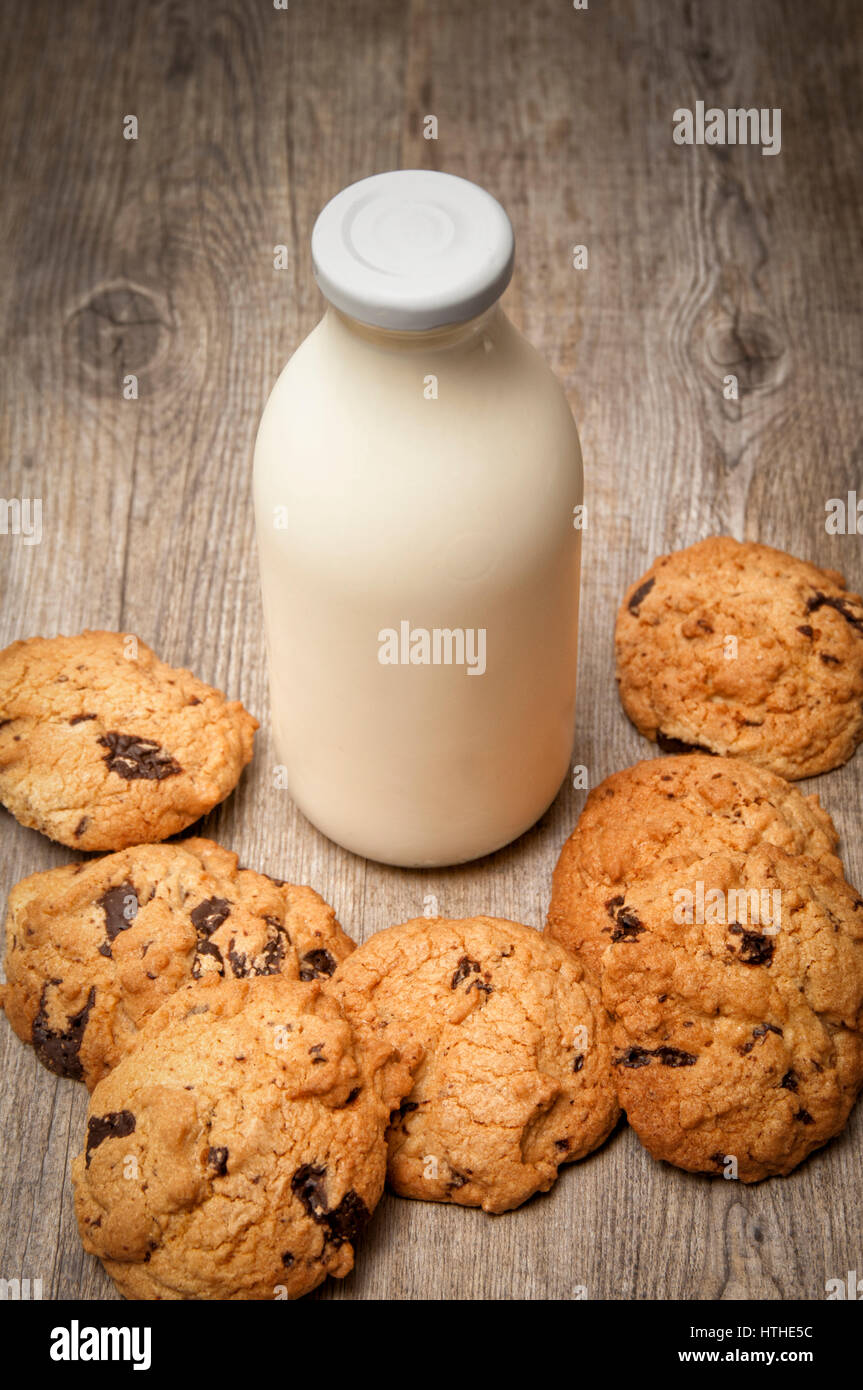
x=155 y=257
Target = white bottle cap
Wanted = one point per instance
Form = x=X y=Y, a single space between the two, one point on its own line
x=413 y=249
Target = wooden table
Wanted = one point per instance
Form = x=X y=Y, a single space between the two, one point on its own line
x=154 y=257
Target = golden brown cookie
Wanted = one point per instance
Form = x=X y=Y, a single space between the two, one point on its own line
x=515 y=1074
x=103 y=746
x=740 y=649
x=677 y=809
x=737 y=1012
x=93 y=949
x=239 y=1149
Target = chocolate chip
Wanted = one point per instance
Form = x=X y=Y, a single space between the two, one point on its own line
x=120 y=906
x=640 y=595
x=674 y=1057
x=829 y=660
x=239 y=962
x=759 y=1031
x=209 y=915
x=635 y=1057
x=81 y=718
x=269 y=960
x=287 y=1259
x=206 y=948
x=578 y=1062
x=465 y=967
x=790 y=1081
x=806 y=630
x=348 y=1219
x=840 y=605
x=627 y=925
x=81 y=827
x=217 y=1159
x=133 y=758
x=457 y=1179
x=309 y=1184
x=804 y=1117
x=342 y=1223
x=206 y=918
x=58 y=1049
x=317 y=963
x=482 y=984
x=755 y=949
x=316 y=1053
x=115 y=1125
x=676 y=745
x=561 y=1144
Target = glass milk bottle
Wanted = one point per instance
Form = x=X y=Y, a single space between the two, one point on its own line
x=417 y=471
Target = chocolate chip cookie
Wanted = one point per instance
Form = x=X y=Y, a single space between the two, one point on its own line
x=677 y=809
x=740 y=649
x=515 y=1075
x=103 y=746
x=93 y=949
x=736 y=991
x=239 y=1149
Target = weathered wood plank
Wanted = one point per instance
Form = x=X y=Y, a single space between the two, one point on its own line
x=154 y=257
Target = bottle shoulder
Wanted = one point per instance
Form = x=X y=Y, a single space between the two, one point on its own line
x=495 y=366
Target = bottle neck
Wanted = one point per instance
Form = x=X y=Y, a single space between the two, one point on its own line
x=399 y=340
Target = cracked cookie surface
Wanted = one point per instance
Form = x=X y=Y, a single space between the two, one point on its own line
x=734 y=1040
x=736 y=648
x=93 y=949
x=514 y=1077
x=672 y=810
x=102 y=745
x=239 y=1149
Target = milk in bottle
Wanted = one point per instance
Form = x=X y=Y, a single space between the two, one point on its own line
x=417 y=475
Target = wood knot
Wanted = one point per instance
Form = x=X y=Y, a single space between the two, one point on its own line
x=711 y=66
x=119 y=330
x=748 y=346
